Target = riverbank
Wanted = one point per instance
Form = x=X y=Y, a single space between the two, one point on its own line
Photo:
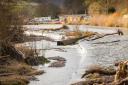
x=112 y=75
x=13 y=72
x=16 y=64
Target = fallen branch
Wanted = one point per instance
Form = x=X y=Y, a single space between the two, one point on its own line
x=123 y=82
x=107 y=42
x=100 y=37
x=3 y=57
x=70 y=41
x=7 y=74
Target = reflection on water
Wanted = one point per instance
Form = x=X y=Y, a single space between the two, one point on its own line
x=41 y=46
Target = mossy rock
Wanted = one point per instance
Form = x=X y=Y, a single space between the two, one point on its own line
x=34 y=61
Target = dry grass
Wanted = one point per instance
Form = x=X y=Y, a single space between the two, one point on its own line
x=14 y=72
x=74 y=33
x=88 y=34
x=18 y=69
x=113 y=20
x=20 y=74
x=77 y=34
x=123 y=22
x=14 y=80
x=27 y=51
x=17 y=73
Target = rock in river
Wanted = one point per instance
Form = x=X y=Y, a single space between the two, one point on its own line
x=58 y=58
x=59 y=61
x=58 y=64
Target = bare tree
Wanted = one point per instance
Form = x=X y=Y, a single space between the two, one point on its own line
x=74 y=6
x=12 y=18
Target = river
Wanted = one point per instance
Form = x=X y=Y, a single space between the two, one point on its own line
x=104 y=51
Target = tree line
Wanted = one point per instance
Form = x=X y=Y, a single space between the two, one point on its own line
x=12 y=17
x=94 y=6
x=81 y=7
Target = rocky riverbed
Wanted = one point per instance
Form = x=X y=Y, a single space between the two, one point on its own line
x=79 y=57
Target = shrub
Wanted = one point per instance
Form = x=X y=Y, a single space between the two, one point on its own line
x=27 y=51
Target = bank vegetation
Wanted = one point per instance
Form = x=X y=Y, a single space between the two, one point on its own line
x=16 y=62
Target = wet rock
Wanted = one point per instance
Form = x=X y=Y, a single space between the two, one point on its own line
x=61 y=50
x=58 y=58
x=92 y=76
x=116 y=63
x=93 y=81
x=80 y=83
x=108 y=79
x=100 y=70
x=96 y=81
x=32 y=78
x=122 y=82
x=59 y=61
x=97 y=75
x=58 y=64
x=97 y=78
x=35 y=61
x=67 y=42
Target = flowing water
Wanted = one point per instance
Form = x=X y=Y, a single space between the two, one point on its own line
x=104 y=51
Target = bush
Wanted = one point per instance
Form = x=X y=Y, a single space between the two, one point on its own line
x=27 y=51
